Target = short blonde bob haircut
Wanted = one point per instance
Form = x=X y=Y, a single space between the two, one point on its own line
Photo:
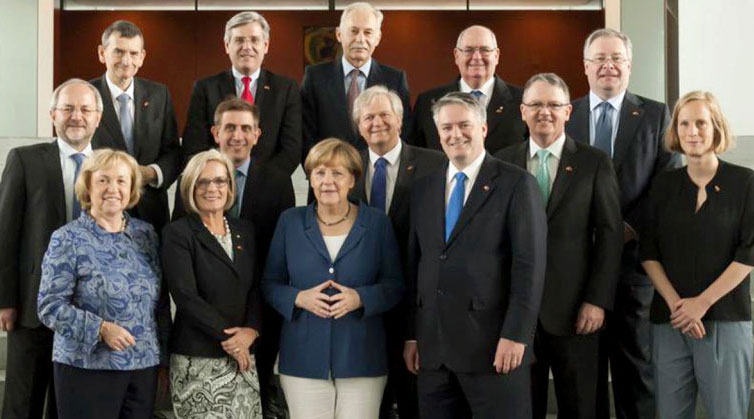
x=192 y=172
x=102 y=159
x=722 y=137
x=331 y=152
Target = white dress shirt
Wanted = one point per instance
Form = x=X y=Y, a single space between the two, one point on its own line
x=68 y=166
x=486 y=90
x=595 y=112
x=471 y=171
x=556 y=151
x=238 y=78
x=364 y=69
x=393 y=158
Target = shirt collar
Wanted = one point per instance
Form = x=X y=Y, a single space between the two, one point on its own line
x=244 y=167
x=66 y=150
x=555 y=149
x=471 y=171
x=238 y=75
x=486 y=88
x=616 y=100
x=391 y=156
x=116 y=91
x=347 y=67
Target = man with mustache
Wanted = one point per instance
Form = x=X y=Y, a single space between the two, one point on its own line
x=36 y=198
x=628 y=128
x=247 y=41
x=329 y=89
x=476 y=55
x=138 y=118
x=476 y=264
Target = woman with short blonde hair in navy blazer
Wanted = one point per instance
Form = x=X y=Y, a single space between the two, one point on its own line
x=333 y=269
x=698 y=251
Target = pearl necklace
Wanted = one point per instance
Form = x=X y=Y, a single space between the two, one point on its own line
x=223 y=236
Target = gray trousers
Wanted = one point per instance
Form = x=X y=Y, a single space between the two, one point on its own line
x=718 y=367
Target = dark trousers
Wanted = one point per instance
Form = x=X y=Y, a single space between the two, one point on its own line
x=444 y=394
x=574 y=364
x=97 y=394
x=627 y=344
x=273 y=401
x=400 y=390
x=28 y=378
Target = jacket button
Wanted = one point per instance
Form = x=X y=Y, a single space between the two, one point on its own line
x=439 y=292
x=443 y=256
x=331 y=270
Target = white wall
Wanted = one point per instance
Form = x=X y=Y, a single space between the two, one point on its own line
x=644 y=22
x=716 y=54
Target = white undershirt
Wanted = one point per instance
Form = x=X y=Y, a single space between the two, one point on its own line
x=333 y=244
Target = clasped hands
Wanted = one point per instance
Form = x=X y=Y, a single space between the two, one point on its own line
x=238 y=345
x=329 y=306
x=686 y=315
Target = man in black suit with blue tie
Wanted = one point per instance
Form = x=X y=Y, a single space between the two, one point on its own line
x=329 y=89
x=629 y=128
x=476 y=269
x=138 y=118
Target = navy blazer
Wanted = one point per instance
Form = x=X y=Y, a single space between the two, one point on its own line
x=368 y=261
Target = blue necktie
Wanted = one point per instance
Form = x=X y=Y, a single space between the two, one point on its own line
x=78 y=158
x=235 y=210
x=126 y=123
x=603 y=131
x=378 y=197
x=477 y=94
x=455 y=205
x=543 y=174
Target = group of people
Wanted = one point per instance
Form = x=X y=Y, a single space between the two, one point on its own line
x=450 y=259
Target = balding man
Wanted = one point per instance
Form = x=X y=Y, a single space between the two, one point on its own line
x=329 y=89
x=476 y=55
x=36 y=198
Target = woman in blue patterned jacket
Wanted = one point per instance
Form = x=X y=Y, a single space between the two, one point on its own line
x=100 y=294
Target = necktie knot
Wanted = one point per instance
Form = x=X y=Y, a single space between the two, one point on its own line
x=354 y=74
x=246 y=92
x=543 y=155
x=381 y=163
x=477 y=94
x=460 y=177
x=606 y=106
x=78 y=158
x=123 y=99
x=246 y=81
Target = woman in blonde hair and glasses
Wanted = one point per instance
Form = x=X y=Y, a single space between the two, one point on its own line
x=212 y=274
x=100 y=294
x=698 y=250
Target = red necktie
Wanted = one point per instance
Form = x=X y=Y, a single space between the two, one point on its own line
x=246 y=94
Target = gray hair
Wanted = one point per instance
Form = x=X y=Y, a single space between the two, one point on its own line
x=608 y=33
x=125 y=28
x=463 y=99
x=56 y=93
x=244 y=18
x=463 y=32
x=361 y=5
x=550 y=78
x=367 y=96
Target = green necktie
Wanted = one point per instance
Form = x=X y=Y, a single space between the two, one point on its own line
x=543 y=175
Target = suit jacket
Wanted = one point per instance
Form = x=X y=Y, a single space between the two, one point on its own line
x=584 y=234
x=325 y=105
x=211 y=291
x=155 y=141
x=504 y=125
x=486 y=282
x=638 y=156
x=32 y=207
x=354 y=345
x=415 y=163
x=267 y=193
x=279 y=117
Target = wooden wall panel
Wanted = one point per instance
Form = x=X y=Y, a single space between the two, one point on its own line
x=185 y=45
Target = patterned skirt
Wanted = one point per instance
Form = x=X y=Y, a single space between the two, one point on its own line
x=213 y=388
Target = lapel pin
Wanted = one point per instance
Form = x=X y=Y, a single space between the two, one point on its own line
x=145 y=104
x=635 y=113
x=499 y=110
x=266 y=87
x=569 y=169
x=238 y=236
x=486 y=188
x=410 y=168
x=239 y=247
x=717 y=188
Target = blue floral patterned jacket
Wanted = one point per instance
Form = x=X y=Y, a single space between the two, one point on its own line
x=90 y=275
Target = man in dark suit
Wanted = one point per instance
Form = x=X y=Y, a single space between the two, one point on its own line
x=476 y=55
x=584 y=247
x=264 y=192
x=247 y=40
x=138 y=118
x=629 y=128
x=329 y=89
x=391 y=167
x=476 y=270
x=37 y=198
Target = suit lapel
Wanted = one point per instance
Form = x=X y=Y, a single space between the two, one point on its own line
x=240 y=263
x=481 y=190
x=406 y=171
x=338 y=91
x=142 y=109
x=110 y=120
x=54 y=177
x=563 y=178
x=631 y=113
x=250 y=190
x=501 y=96
x=227 y=86
x=262 y=93
x=358 y=230
x=359 y=192
x=209 y=242
x=578 y=126
x=311 y=230
x=435 y=205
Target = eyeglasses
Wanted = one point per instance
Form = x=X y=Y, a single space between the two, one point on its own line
x=69 y=110
x=616 y=59
x=553 y=107
x=483 y=51
x=219 y=182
